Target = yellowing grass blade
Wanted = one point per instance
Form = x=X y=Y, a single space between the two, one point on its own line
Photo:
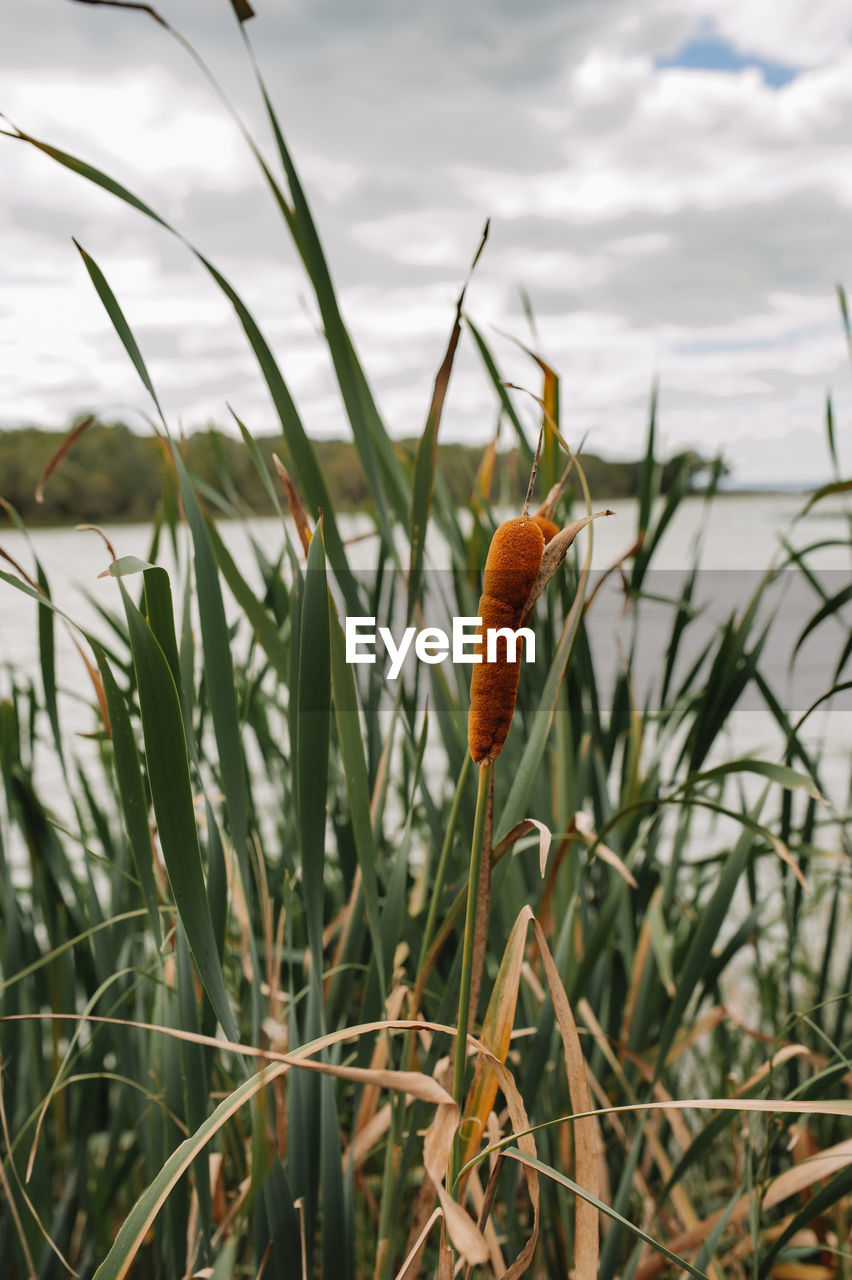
x=437 y=1146
x=586 y=1137
x=495 y=1035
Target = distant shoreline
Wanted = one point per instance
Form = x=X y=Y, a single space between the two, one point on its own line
x=113 y=475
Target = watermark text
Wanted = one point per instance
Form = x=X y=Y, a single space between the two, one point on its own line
x=433 y=645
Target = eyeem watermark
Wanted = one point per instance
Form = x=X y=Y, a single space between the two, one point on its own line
x=433 y=645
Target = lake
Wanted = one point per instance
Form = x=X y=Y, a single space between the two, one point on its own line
x=738 y=543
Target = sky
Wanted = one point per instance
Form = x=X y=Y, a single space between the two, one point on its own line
x=668 y=183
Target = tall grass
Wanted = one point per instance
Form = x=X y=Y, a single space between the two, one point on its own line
x=230 y=993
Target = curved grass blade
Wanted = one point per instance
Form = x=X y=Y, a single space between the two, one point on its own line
x=301 y=450
x=825 y=491
x=834 y=1191
x=503 y=395
x=46 y=632
x=351 y=744
x=786 y=777
x=367 y=428
x=219 y=668
x=259 y=464
x=302 y=453
x=135 y=1227
x=427 y=450
x=119 y=323
x=314 y=730
x=133 y=1230
x=49 y=956
x=831 y=607
x=47 y=662
x=514 y=1154
x=131 y=790
x=704 y=935
x=168 y=773
x=264 y=626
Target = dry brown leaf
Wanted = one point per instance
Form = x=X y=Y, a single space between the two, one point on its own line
x=656 y=1151
x=548 y=507
x=64 y=449
x=369 y=1135
x=789 y=1183
x=583 y=823
x=784 y=1054
x=526 y=1143
x=521 y=829
x=554 y=553
x=437 y=1145
x=803 y=1271
x=640 y=959
x=295 y=503
x=485 y=474
x=445 y=1261
x=413 y=1257
x=411 y=1082
x=586 y=1135
x=802 y=1175
x=370 y=1096
x=215 y=1163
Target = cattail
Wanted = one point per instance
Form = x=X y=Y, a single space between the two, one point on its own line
x=511 y=570
x=548 y=527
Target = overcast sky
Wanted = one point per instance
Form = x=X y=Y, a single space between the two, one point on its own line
x=670 y=182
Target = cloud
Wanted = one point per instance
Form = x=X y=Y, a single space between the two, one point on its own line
x=783 y=30
x=664 y=219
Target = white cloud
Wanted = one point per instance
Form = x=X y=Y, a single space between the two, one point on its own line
x=640 y=245
x=145 y=122
x=425 y=238
x=796 y=32
x=690 y=223
x=605 y=75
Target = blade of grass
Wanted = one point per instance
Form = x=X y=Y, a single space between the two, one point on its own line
x=513 y=1154
x=168 y=772
x=314 y=731
x=131 y=789
x=427 y=451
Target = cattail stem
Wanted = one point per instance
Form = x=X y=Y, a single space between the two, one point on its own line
x=467 y=953
x=534 y=471
x=443 y=862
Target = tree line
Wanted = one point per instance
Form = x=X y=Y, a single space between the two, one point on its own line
x=114 y=474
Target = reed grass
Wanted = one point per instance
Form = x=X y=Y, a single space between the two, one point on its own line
x=228 y=1021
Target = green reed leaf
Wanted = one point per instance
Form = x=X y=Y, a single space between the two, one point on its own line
x=314 y=732
x=168 y=772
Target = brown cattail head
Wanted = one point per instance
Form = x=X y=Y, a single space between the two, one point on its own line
x=548 y=527
x=511 y=570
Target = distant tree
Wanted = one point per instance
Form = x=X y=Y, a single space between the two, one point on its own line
x=113 y=473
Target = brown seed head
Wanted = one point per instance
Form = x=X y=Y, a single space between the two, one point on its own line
x=548 y=527
x=514 y=560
